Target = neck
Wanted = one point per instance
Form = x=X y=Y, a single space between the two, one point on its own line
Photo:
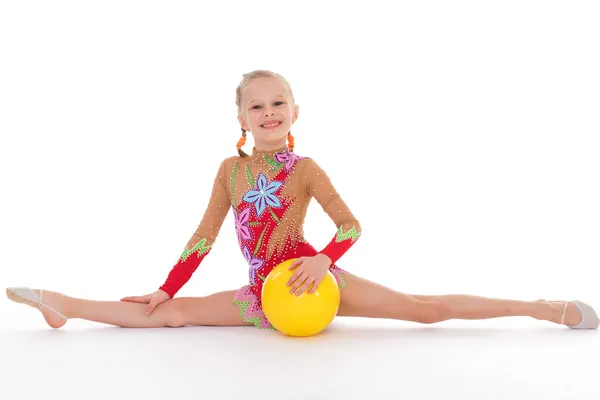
x=270 y=146
x=263 y=157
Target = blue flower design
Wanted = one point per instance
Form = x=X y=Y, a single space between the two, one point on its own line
x=263 y=194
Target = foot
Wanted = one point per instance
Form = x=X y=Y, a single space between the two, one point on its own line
x=589 y=319
x=49 y=303
x=574 y=314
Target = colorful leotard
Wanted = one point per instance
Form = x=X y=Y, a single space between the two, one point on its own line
x=269 y=192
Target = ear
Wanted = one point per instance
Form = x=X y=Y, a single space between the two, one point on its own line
x=296 y=112
x=243 y=123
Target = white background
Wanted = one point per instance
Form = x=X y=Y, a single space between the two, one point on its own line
x=463 y=135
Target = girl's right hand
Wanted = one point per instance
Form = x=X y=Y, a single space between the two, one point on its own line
x=153 y=300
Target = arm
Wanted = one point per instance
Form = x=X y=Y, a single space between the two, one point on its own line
x=200 y=244
x=348 y=228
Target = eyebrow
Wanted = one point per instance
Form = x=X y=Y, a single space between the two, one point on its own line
x=252 y=101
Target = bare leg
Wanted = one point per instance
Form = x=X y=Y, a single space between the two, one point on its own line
x=363 y=298
x=477 y=307
x=214 y=310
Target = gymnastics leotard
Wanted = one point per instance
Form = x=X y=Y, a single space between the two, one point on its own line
x=269 y=192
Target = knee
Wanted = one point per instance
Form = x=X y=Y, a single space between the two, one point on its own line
x=431 y=311
x=177 y=314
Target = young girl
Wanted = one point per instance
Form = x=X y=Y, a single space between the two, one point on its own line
x=268 y=192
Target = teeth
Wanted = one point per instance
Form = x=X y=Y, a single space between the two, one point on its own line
x=270 y=125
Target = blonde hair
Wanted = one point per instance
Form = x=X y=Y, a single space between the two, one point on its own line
x=246 y=79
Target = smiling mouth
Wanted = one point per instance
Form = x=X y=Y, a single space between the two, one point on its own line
x=271 y=125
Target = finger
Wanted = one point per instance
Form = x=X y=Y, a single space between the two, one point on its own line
x=298 y=282
x=295 y=276
x=136 y=299
x=297 y=273
x=305 y=285
x=315 y=285
x=150 y=308
x=295 y=263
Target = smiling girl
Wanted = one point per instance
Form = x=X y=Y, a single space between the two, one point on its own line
x=268 y=191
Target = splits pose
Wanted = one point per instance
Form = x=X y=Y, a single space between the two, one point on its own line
x=269 y=191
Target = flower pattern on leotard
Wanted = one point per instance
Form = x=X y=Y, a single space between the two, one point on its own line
x=289 y=159
x=241 y=224
x=254 y=263
x=263 y=194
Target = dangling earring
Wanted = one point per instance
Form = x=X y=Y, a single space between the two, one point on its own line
x=290 y=141
x=240 y=143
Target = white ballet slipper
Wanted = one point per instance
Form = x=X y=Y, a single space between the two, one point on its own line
x=589 y=318
x=28 y=296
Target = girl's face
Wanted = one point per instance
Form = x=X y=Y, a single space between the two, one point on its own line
x=267 y=111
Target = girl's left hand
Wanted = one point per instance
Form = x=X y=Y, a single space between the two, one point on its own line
x=309 y=270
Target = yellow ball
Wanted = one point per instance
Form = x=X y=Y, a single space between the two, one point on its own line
x=304 y=315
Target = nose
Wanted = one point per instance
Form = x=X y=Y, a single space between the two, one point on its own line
x=268 y=112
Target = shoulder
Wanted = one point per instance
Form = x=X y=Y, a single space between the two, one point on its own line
x=228 y=163
x=308 y=164
x=226 y=166
x=311 y=170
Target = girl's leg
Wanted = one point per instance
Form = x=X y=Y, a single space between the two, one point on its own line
x=214 y=310
x=363 y=298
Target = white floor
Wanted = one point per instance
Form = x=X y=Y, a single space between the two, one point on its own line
x=354 y=359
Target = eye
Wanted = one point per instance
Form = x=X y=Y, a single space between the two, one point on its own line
x=277 y=103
